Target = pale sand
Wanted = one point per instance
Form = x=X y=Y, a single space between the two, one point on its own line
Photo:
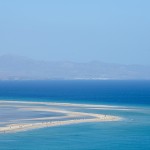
x=57 y=104
x=16 y=127
x=24 y=127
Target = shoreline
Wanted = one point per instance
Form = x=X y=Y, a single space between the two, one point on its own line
x=70 y=116
x=24 y=127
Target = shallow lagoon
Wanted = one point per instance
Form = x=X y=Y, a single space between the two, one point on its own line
x=132 y=133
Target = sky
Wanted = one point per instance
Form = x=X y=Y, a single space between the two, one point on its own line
x=113 y=31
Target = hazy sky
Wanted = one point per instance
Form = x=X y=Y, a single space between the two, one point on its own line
x=78 y=30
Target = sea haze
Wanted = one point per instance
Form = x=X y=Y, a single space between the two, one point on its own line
x=20 y=68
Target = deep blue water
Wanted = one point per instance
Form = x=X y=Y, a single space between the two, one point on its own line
x=119 y=92
x=133 y=133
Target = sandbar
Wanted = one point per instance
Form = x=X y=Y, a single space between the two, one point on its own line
x=31 y=115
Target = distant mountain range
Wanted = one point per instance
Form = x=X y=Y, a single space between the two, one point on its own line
x=21 y=68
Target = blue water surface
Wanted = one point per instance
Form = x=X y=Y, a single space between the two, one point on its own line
x=132 y=133
x=123 y=92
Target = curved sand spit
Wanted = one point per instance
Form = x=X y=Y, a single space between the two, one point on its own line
x=70 y=115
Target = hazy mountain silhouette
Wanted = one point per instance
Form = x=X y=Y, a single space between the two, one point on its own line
x=16 y=67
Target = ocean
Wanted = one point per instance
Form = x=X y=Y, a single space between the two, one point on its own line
x=131 y=133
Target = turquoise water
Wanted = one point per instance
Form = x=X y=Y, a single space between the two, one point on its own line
x=132 y=133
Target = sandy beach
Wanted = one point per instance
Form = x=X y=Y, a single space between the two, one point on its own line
x=69 y=114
